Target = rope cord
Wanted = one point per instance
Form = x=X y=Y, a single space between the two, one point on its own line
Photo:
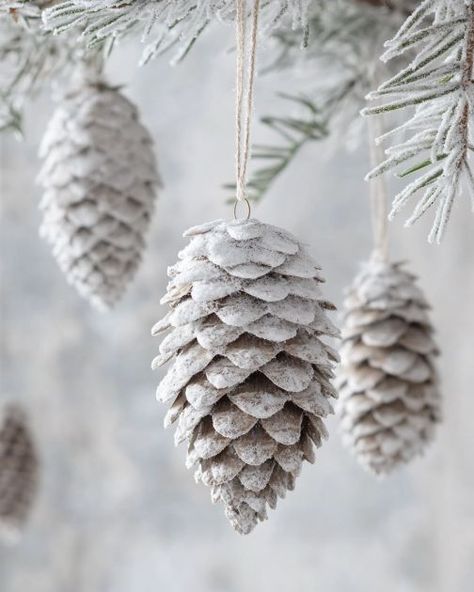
x=378 y=192
x=245 y=79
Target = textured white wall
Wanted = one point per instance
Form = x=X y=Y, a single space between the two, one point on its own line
x=118 y=511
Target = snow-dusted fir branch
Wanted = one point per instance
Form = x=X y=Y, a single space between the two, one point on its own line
x=20 y=9
x=164 y=23
x=29 y=58
x=344 y=39
x=438 y=138
x=292 y=134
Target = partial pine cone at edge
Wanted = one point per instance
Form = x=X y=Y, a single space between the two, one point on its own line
x=389 y=391
x=249 y=385
x=18 y=471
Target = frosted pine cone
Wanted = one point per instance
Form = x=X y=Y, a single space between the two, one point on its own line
x=389 y=388
x=18 y=471
x=250 y=381
x=100 y=179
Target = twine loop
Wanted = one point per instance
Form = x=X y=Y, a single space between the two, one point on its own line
x=247 y=205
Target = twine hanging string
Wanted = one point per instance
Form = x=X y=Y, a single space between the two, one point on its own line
x=378 y=193
x=245 y=77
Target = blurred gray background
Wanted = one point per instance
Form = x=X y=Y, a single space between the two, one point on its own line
x=117 y=511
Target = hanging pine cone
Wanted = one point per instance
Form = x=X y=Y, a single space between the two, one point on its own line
x=389 y=398
x=18 y=471
x=100 y=178
x=250 y=381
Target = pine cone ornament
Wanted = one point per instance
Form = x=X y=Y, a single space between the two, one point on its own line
x=100 y=178
x=18 y=471
x=249 y=386
x=389 y=399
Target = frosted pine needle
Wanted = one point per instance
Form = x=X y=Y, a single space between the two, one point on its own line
x=163 y=23
x=438 y=83
x=29 y=58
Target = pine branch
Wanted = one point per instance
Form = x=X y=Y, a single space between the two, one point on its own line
x=404 y=7
x=345 y=36
x=20 y=9
x=293 y=133
x=438 y=84
x=28 y=59
x=163 y=23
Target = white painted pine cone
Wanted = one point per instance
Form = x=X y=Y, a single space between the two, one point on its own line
x=18 y=471
x=389 y=393
x=249 y=384
x=100 y=178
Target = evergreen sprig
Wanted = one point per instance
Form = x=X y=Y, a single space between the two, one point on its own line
x=344 y=38
x=29 y=58
x=438 y=84
x=293 y=133
x=164 y=23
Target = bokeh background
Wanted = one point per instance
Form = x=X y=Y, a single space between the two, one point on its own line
x=117 y=510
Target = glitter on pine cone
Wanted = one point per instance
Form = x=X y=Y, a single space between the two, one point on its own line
x=100 y=179
x=389 y=398
x=18 y=472
x=249 y=385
